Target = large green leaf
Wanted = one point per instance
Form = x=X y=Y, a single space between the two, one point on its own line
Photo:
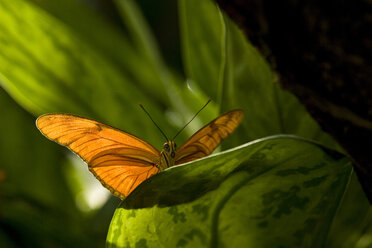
x=47 y=67
x=280 y=191
x=137 y=58
x=217 y=55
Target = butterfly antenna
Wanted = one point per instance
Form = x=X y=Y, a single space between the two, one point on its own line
x=154 y=122
x=191 y=120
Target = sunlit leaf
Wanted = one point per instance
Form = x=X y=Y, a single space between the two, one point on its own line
x=137 y=58
x=47 y=67
x=280 y=191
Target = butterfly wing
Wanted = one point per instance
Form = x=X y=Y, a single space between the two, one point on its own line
x=203 y=142
x=119 y=160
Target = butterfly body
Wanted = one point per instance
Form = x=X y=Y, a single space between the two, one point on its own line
x=167 y=155
x=121 y=161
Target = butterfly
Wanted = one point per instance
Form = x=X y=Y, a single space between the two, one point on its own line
x=121 y=161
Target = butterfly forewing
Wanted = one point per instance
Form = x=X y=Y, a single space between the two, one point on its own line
x=119 y=160
x=203 y=142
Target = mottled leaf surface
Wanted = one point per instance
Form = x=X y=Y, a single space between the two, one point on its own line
x=280 y=191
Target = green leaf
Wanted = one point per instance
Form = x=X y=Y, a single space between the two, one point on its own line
x=36 y=202
x=203 y=45
x=24 y=164
x=47 y=67
x=142 y=37
x=185 y=99
x=352 y=219
x=217 y=55
x=136 y=56
x=280 y=191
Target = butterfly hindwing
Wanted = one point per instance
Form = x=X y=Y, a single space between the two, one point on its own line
x=119 y=160
x=203 y=142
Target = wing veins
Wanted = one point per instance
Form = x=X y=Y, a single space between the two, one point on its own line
x=133 y=183
x=122 y=160
x=117 y=155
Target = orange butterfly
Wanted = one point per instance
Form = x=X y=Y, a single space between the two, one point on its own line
x=121 y=161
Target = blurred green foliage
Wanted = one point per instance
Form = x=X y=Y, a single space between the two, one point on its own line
x=63 y=56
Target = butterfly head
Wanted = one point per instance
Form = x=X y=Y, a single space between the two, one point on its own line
x=168 y=154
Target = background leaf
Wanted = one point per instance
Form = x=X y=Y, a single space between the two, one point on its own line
x=63 y=81
x=133 y=54
x=36 y=203
x=204 y=60
x=242 y=76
